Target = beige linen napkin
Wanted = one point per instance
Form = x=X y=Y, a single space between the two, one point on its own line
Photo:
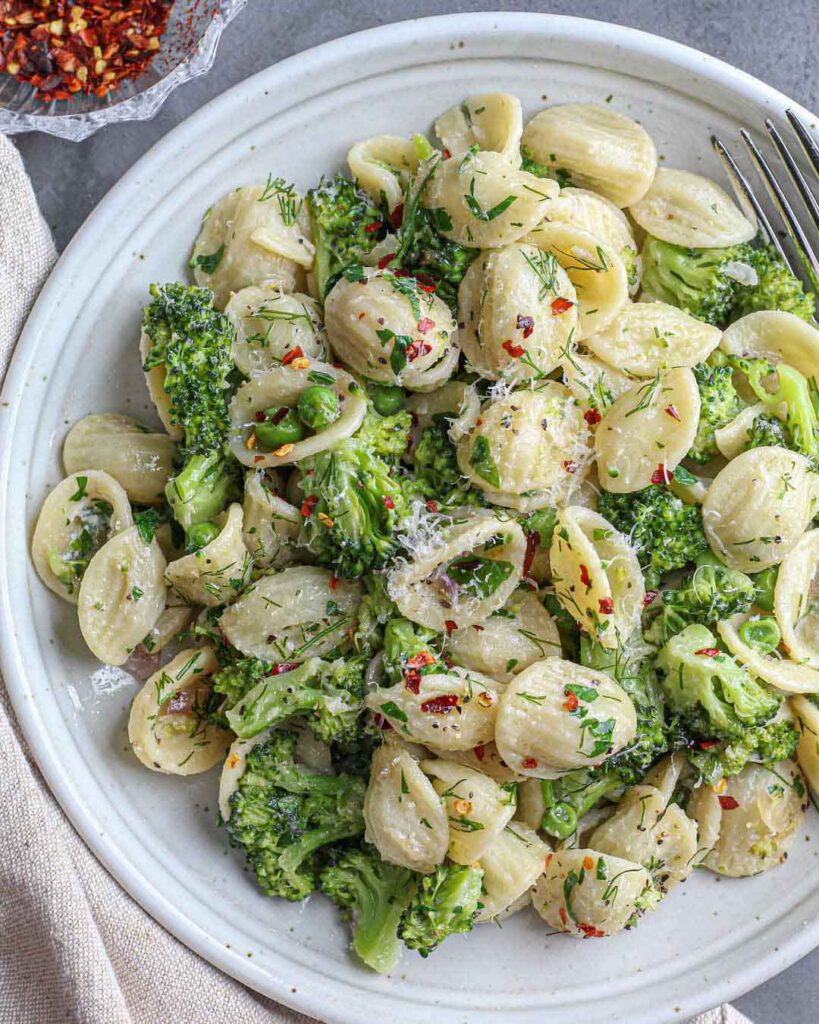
x=74 y=947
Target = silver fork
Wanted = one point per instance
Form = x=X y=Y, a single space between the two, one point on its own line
x=805 y=263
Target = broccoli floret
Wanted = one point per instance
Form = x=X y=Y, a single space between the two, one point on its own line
x=352 y=509
x=194 y=343
x=237 y=678
x=385 y=436
x=329 y=695
x=795 y=392
x=769 y=743
x=663 y=529
x=709 y=594
x=445 y=903
x=283 y=815
x=713 y=695
x=708 y=283
x=346 y=226
x=433 y=260
x=719 y=404
x=768 y=431
x=204 y=486
x=376 y=894
x=410 y=650
x=776 y=288
x=437 y=472
x=374 y=611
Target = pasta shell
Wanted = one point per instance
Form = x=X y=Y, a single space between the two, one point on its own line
x=383 y=167
x=269 y=324
x=492 y=121
x=217 y=572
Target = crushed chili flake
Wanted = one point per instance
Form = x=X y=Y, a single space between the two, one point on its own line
x=532 y=543
x=282 y=667
x=560 y=306
x=660 y=475
x=606 y=605
x=529 y=762
x=381 y=722
x=294 y=353
x=308 y=505
x=727 y=803
x=397 y=216
x=525 y=324
x=425 y=324
x=412 y=680
x=571 y=703
x=707 y=744
x=585 y=579
x=588 y=863
x=708 y=652
x=450 y=626
x=416 y=349
x=384 y=262
x=672 y=412
x=570 y=466
x=425 y=283
x=480 y=751
x=446 y=153
x=563 y=918
x=515 y=351
x=62 y=48
x=441 y=705
x=589 y=930
x=432 y=506
x=334 y=582
x=592 y=416
x=477 y=628
x=650 y=597
x=420 y=659
x=375 y=225
x=258 y=458
x=388 y=502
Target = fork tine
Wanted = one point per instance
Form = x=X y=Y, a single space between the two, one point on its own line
x=809 y=147
x=783 y=207
x=796 y=176
x=745 y=194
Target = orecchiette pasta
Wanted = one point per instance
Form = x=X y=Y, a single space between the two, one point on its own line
x=454 y=711
x=796 y=600
x=690 y=210
x=214 y=574
x=122 y=594
x=648 y=431
x=511 y=866
x=780 y=672
x=155 y=382
x=510 y=640
x=599 y=276
x=282 y=387
x=528 y=449
x=758 y=507
x=482 y=758
x=291 y=615
x=483 y=200
x=593 y=382
x=383 y=166
x=597 y=575
x=256 y=235
x=426 y=592
x=492 y=121
x=733 y=438
x=588 y=893
x=270 y=525
x=606 y=221
x=762 y=808
x=555 y=716
x=777 y=336
x=594 y=147
x=806 y=712
x=140 y=461
x=77 y=518
x=404 y=815
x=175 y=619
x=270 y=325
x=169 y=726
x=477 y=808
x=646 y=337
x=517 y=312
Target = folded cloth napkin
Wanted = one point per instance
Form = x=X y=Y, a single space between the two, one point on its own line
x=74 y=947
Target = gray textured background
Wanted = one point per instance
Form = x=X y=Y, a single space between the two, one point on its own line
x=776 y=41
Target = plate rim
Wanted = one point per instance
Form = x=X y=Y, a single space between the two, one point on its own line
x=310 y=999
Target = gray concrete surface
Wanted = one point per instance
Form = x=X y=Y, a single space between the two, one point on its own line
x=774 y=41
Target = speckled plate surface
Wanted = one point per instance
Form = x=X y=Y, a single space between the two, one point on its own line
x=711 y=939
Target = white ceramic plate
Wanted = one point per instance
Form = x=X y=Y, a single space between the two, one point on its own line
x=711 y=939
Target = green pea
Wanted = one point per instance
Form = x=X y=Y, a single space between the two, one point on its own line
x=281 y=425
x=200 y=535
x=761 y=634
x=388 y=400
x=765 y=583
x=318 y=407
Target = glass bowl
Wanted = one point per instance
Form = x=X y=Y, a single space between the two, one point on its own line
x=187 y=51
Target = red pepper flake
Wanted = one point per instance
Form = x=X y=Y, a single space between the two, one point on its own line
x=585 y=579
x=560 y=306
x=532 y=544
x=707 y=744
x=727 y=803
x=258 y=458
x=672 y=412
x=416 y=349
x=515 y=351
x=425 y=283
x=385 y=261
x=308 y=505
x=525 y=324
x=381 y=722
x=334 y=582
x=708 y=652
x=425 y=324
x=375 y=225
x=590 y=932
x=388 y=502
x=563 y=918
x=650 y=597
x=446 y=153
x=478 y=629
x=570 y=466
x=361 y=315
x=661 y=475
x=592 y=416
x=412 y=680
x=420 y=659
x=606 y=605
x=397 y=216
x=294 y=353
x=450 y=626
x=571 y=703
x=260 y=417
x=432 y=506
x=480 y=751
x=440 y=705
x=283 y=666
x=529 y=762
